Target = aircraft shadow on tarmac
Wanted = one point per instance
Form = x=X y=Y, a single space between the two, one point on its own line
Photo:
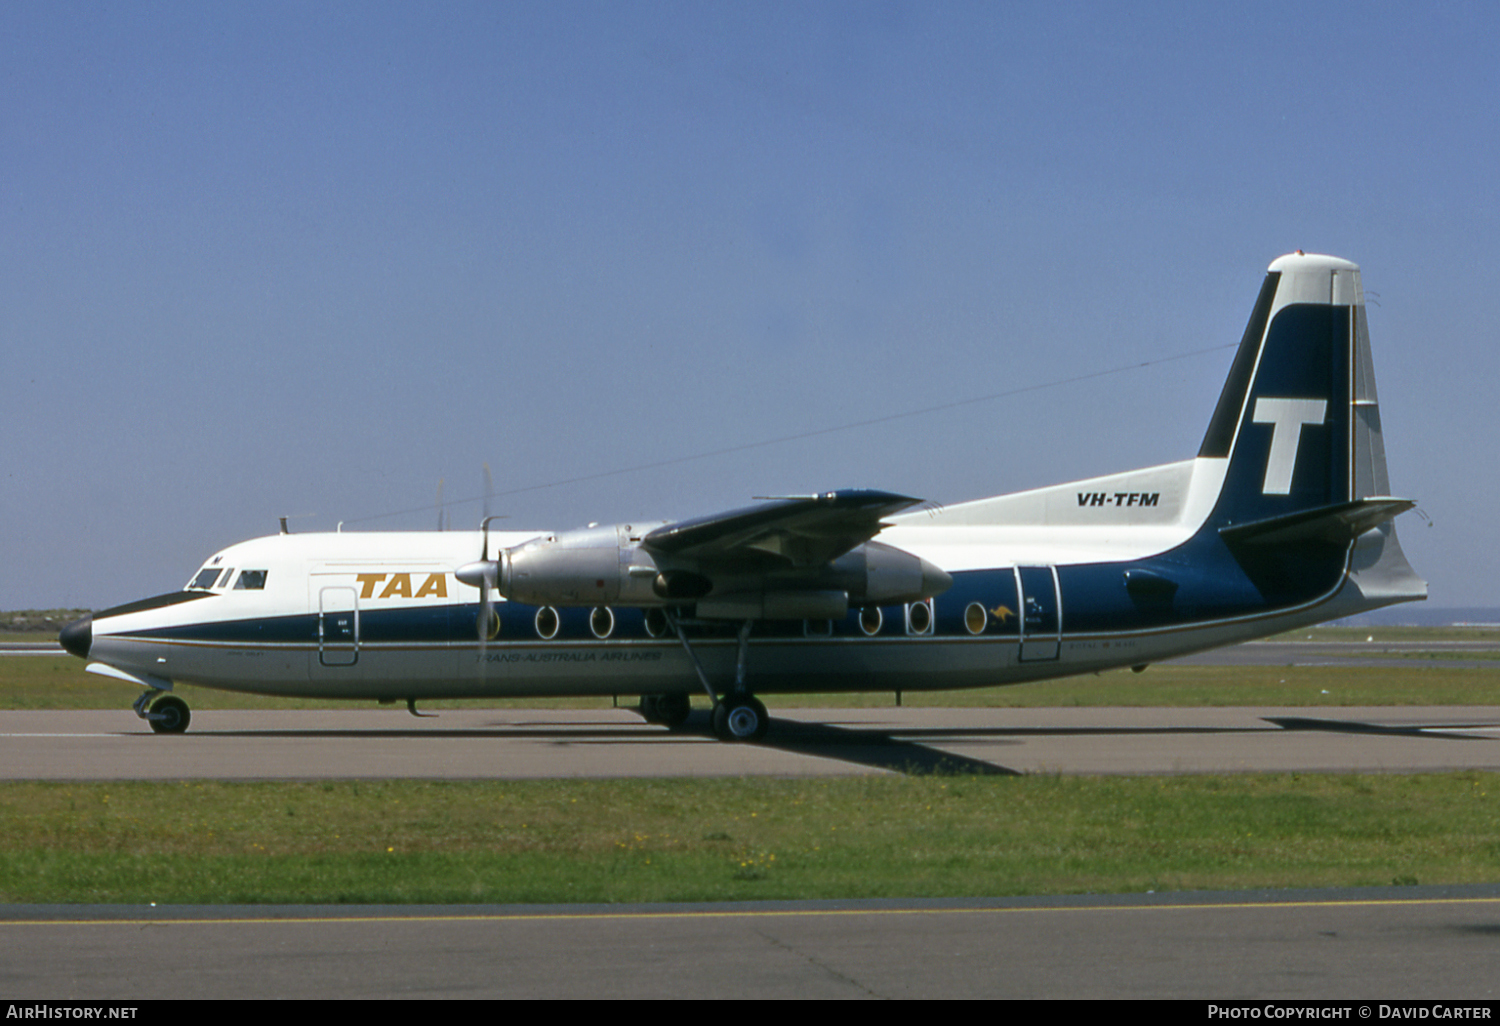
x=1448 y=731
x=901 y=749
x=878 y=748
x=874 y=747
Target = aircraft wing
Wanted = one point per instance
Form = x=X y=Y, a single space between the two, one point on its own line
x=803 y=531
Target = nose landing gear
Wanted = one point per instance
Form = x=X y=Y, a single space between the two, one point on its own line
x=169 y=714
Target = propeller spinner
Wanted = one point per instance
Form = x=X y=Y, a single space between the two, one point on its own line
x=484 y=574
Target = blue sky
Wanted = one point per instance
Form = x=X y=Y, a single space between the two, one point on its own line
x=289 y=259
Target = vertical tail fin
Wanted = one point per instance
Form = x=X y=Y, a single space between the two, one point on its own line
x=1298 y=419
x=1299 y=424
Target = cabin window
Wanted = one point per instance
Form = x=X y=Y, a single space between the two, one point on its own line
x=919 y=618
x=251 y=580
x=206 y=578
x=975 y=618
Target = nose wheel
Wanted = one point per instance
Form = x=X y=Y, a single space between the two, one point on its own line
x=169 y=714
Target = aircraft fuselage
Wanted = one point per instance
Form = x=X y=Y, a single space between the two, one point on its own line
x=1283 y=519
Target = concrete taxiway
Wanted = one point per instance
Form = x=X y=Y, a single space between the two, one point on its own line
x=516 y=744
x=1387 y=943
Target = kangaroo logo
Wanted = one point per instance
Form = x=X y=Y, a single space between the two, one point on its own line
x=1287 y=418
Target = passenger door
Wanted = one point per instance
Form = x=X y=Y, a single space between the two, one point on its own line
x=1041 y=613
x=338 y=621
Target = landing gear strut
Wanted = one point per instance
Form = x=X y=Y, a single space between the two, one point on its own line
x=739 y=715
x=169 y=714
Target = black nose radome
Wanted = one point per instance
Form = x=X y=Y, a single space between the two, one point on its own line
x=78 y=636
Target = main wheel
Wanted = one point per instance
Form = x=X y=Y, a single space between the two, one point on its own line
x=671 y=711
x=740 y=718
x=169 y=715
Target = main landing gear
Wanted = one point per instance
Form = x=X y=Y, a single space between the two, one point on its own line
x=169 y=714
x=671 y=711
x=738 y=715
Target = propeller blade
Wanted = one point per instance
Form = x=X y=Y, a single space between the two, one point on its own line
x=484 y=575
x=486 y=618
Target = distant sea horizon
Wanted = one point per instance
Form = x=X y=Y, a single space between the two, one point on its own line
x=1419 y=614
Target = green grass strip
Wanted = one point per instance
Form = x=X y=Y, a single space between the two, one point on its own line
x=712 y=840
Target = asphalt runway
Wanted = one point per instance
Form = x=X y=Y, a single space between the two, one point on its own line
x=511 y=744
x=1365 y=946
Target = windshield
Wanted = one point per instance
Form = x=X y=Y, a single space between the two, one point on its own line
x=211 y=577
x=206 y=577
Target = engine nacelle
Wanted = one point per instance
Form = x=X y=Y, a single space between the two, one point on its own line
x=875 y=574
x=596 y=566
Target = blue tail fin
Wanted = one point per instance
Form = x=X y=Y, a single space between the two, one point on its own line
x=1304 y=502
x=1298 y=419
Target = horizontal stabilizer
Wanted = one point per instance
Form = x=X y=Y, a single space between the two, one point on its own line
x=1338 y=524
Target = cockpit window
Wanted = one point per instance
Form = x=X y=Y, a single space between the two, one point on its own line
x=251 y=580
x=212 y=577
x=206 y=578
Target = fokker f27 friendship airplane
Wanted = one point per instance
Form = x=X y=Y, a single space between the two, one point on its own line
x=1282 y=520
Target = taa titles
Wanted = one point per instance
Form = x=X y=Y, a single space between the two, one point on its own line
x=1284 y=518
